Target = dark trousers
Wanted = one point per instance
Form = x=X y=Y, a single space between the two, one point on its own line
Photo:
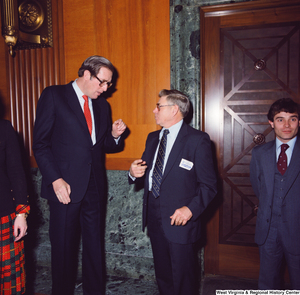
x=271 y=255
x=176 y=265
x=65 y=224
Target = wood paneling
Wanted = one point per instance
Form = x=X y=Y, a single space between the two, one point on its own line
x=237 y=258
x=134 y=36
x=211 y=78
x=28 y=73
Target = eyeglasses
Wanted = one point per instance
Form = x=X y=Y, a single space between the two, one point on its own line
x=158 y=106
x=102 y=83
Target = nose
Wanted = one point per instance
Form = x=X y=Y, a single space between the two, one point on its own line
x=155 y=110
x=104 y=87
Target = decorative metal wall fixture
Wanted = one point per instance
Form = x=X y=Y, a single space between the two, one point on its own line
x=26 y=24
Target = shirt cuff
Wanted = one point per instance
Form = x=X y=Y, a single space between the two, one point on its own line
x=132 y=177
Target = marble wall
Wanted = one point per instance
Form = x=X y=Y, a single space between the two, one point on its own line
x=185 y=49
x=128 y=251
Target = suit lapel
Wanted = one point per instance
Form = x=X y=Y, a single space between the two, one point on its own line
x=294 y=167
x=269 y=166
x=152 y=145
x=97 y=118
x=74 y=104
x=176 y=149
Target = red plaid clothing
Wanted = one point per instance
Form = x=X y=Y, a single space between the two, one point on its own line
x=22 y=209
x=12 y=272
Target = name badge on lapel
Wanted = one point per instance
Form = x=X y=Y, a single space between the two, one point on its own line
x=185 y=164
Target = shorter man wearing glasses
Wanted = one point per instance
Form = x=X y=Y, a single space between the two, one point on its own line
x=72 y=133
x=179 y=182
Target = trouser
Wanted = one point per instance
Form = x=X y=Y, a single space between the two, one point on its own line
x=65 y=224
x=271 y=255
x=176 y=265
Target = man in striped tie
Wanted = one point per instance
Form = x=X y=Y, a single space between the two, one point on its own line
x=179 y=182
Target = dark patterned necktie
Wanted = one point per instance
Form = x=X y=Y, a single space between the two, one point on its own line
x=159 y=164
x=87 y=113
x=282 y=160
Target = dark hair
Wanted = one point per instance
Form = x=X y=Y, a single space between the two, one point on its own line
x=283 y=105
x=93 y=64
x=178 y=98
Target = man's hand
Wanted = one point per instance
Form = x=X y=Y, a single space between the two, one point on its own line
x=20 y=227
x=138 y=168
x=118 y=128
x=181 y=216
x=62 y=190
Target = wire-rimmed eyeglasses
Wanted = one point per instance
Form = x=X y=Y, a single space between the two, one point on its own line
x=158 y=106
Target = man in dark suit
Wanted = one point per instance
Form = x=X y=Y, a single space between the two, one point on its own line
x=275 y=178
x=70 y=152
x=173 y=204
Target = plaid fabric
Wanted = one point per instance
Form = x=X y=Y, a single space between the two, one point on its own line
x=12 y=272
x=22 y=209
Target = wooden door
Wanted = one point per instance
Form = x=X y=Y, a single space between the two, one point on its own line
x=250 y=58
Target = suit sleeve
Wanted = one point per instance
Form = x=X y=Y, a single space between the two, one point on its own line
x=14 y=166
x=206 y=177
x=141 y=180
x=110 y=144
x=42 y=133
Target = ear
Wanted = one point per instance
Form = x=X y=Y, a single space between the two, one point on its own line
x=86 y=75
x=271 y=123
x=175 y=109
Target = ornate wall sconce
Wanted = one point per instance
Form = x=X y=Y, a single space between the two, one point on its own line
x=26 y=24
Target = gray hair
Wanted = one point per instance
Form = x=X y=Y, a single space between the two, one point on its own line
x=178 y=98
x=93 y=64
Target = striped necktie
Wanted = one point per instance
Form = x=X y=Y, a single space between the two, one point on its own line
x=159 y=164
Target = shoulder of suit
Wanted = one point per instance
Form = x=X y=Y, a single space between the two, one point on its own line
x=154 y=134
x=264 y=146
x=194 y=132
x=189 y=129
x=6 y=124
x=59 y=88
x=6 y=128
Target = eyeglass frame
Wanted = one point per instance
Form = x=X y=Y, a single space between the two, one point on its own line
x=101 y=83
x=158 y=106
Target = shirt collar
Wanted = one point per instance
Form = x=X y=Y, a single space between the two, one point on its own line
x=78 y=91
x=291 y=143
x=174 y=129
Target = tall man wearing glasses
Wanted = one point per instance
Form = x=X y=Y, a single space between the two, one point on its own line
x=179 y=183
x=72 y=133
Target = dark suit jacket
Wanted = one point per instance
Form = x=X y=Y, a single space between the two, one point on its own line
x=13 y=186
x=62 y=144
x=180 y=187
x=262 y=173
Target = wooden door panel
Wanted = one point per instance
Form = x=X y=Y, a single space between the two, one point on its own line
x=255 y=63
x=260 y=64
